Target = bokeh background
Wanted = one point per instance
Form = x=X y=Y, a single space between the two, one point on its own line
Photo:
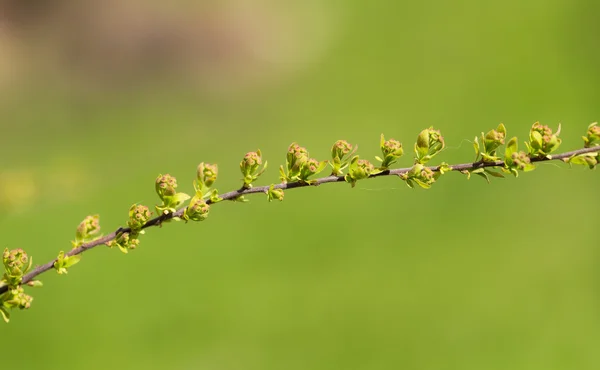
x=98 y=98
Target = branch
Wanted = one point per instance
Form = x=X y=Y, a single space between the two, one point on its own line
x=236 y=194
x=297 y=172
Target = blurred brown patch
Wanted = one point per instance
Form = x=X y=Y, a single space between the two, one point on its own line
x=214 y=47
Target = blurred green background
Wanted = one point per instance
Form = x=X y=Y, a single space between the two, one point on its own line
x=463 y=276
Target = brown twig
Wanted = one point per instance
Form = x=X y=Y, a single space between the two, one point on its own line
x=232 y=195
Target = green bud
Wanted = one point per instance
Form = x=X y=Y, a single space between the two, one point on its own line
x=593 y=135
x=15 y=298
x=518 y=161
x=359 y=169
x=19 y=299
x=392 y=148
x=250 y=163
x=421 y=175
x=63 y=262
x=171 y=199
x=133 y=243
x=197 y=210
x=125 y=241
x=250 y=167
x=138 y=216
x=165 y=186
x=273 y=193
x=427 y=176
x=35 y=283
x=444 y=168
x=311 y=167
x=422 y=144
x=16 y=262
x=429 y=143
x=391 y=151
x=515 y=160
x=296 y=157
x=340 y=151
x=207 y=174
x=87 y=229
x=491 y=141
x=363 y=169
x=542 y=141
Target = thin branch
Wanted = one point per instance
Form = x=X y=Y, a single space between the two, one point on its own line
x=232 y=195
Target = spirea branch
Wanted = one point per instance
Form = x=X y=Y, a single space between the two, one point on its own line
x=346 y=167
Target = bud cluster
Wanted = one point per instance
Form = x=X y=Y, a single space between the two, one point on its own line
x=274 y=194
x=88 y=230
x=197 y=210
x=14 y=298
x=421 y=175
x=391 y=150
x=138 y=216
x=63 y=262
x=340 y=152
x=300 y=166
x=125 y=241
x=592 y=139
x=207 y=174
x=429 y=143
x=16 y=264
x=166 y=186
x=491 y=142
x=359 y=169
x=542 y=141
x=250 y=167
x=515 y=160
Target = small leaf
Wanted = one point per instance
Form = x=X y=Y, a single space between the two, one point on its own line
x=511 y=147
x=72 y=260
x=5 y=314
x=321 y=167
x=421 y=183
x=261 y=171
x=444 y=167
x=501 y=128
x=529 y=167
x=180 y=198
x=214 y=196
x=495 y=174
x=484 y=175
x=536 y=140
x=28 y=266
x=282 y=175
